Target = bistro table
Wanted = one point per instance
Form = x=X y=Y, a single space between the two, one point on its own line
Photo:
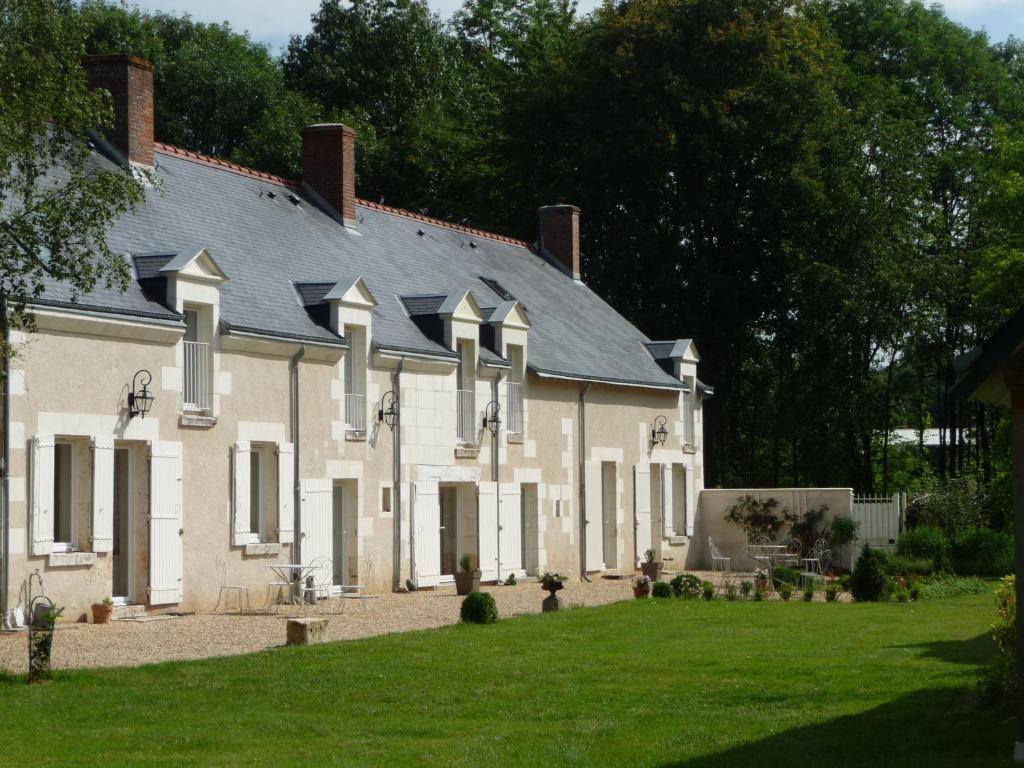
x=771 y=555
x=292 y=576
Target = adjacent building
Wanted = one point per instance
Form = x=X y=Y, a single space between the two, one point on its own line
x=295 y=373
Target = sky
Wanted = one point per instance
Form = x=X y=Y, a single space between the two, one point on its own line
x=273 y=21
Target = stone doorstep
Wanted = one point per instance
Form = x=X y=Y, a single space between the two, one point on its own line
x=123 y=612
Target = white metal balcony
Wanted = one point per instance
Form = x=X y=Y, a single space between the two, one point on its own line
x=355 y=413
x=514 y=412
x=466 y=416
x=196 y=384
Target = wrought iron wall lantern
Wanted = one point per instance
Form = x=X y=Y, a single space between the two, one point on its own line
x=492 y=422
x=659 y=434
x=140 y=400
x=388 y=411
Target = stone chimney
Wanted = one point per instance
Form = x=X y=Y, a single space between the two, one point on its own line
x=560 y=235
x=130 y=82
x=329 y=166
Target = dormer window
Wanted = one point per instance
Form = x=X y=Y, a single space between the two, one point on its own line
x=355 y=379
x=514 y=407
x=196 y=385
x=690 y=414
x=466 y=393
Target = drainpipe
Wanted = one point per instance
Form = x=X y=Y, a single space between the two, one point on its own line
x=582 y=418
x=396 y=479
x=5 y=508
x=296 y=435
x=496 y=475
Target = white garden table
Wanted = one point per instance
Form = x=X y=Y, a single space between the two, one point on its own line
x=294 y=576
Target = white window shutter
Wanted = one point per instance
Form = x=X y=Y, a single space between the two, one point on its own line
x=642 y=508
x=511 y=520
x=242 y=485
x=426 y=512
x=595 y=517
x=691 y=501
x=285 y=493
x=42 y=494
x=102 y=493
x=487 y=530
x=166 y=559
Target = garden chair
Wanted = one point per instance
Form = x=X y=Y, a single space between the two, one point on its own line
x=794 y=550
x=718 y=560
x=358 y=591
x=816 y=562
x=319 y=584
x=240 y=591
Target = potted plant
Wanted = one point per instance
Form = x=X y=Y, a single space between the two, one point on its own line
x=761 y=579
x=467 y=579
x=641 y=587
x=101 y=611
x=649 y=567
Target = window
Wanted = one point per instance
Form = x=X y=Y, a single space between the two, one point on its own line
x=679 y=499
x=465 y=396
x=385 y=499
x=196 y=383
x=63 y=503
x=355 y=379
x=689 y=414
x=257 y=518
x=515 y=390
x=262 y=488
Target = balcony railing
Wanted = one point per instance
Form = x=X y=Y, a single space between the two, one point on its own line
x=466 y=416
x=196 y=386
x=355 y=413
x=514 y=413
x=689 y=431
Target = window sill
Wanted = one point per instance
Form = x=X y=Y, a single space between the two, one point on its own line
x=200 y=420
x=677 y=540
x=689 y=449
x=355 y=435
x=515 y=437
x=71 y=559
x=467 y=451
x=262 y=549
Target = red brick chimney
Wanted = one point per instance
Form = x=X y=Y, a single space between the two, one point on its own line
x=329 y=166
x=560 y=235
x=130 y=82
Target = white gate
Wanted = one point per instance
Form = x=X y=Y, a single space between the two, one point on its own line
x=880 y=518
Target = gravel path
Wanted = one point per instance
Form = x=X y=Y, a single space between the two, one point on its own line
x=127 y=643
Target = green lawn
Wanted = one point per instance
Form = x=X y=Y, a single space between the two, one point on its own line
x=654 y=683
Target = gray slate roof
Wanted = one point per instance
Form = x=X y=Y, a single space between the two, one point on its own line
x=269 y=246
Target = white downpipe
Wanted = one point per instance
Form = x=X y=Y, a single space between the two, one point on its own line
x=582 y=418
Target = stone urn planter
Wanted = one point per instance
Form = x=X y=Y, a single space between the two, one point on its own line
x=552 y=602
x=467 y=581
x=651 y=570
x=101 y=612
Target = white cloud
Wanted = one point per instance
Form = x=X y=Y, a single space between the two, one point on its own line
x=968 y=8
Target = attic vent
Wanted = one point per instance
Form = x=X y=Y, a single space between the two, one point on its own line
x=498 y=288
x=420 y=232
x=271 y=194
x=293 y=198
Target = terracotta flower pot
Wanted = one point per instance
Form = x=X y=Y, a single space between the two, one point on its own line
x=641 y=592
x=761 y=582
x=101 y=613
x=466 y=582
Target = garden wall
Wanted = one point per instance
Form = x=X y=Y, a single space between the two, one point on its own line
x=732 y=541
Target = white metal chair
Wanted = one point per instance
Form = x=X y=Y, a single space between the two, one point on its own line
x=816 y=562
x=718 y=560
x=358 y=591
x=319 y=583
x=240 y=591
x=794 y=549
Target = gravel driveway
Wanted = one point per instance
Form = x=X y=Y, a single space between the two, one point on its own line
x=128 y=643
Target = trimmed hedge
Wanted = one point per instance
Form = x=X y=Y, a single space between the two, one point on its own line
x=869 y=583
x=983 y=552
x=478 y=608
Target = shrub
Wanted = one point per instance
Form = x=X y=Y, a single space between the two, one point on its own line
x=478 y=608
x=808 y=593
x=954 y=506
x=466 y=563
x=731 y=593
x=755 y=517
x=1004 y=632
x=903 y=565
x=982 y=552
x=842 y=531
x=937 y=587
x=868 y=582
x=661 y=589
x=832 y=592
x=902 y=595
x=915 y=592
x=686 y=585
x=708 y=589
x=759 y=594
x=925 y=541
x=745 y=586
x=844 y=582
x=786 y=575
x=786 y=591
x=511 y=580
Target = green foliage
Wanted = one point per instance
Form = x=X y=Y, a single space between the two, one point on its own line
x=707 y=588
x=760 y=594
x=808 y=527
x=868 y=582
x=983 y=552
x=466 y=563
x=808 y=593
x=649 y=555
x=755 y=517
x=903 y=565
x=731 y=593
x=925 y=542
x=842 y=531
x=1003 y=675
x=661 y=589
x=844 y=582
x=686 y=585
x=746 y=586
x=786 y=591
x=785 y=575
x=953 y=506
x=511 y=580
x=902 y=595
x=478 y=608
x=938 y=587
x=832 y=591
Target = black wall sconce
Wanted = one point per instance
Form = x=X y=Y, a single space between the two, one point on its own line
x=492 y=422
x=140 y=400
x=659 y=434
x=388 y=411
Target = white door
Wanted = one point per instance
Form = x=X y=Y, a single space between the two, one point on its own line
x=511 y=522
x=595 y=518
x=487 y=528
x=642 y=508
x=317 y=510
x=165 y=524
x=426 y=512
